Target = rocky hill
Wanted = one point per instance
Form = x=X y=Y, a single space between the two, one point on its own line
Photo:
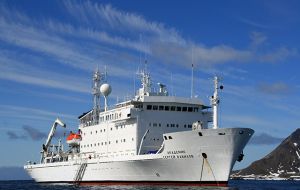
x=282 y=162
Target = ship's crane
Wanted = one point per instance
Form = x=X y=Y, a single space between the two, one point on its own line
x=50 y=136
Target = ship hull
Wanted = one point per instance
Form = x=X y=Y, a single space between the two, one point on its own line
x=199 y=157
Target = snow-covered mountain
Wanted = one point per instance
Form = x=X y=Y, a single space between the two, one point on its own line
x=282 y=162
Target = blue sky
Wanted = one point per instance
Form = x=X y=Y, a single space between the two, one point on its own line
x=49 y=49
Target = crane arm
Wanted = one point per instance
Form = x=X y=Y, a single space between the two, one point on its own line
x=52 y=131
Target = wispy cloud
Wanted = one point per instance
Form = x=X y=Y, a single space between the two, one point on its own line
x=264 y=139
x=107 y=36
x=278 y=55
x=15 y=136
x=27 y=132
x=247 y=120
x=34 y=133
x=164 y=39
x=253 y=23
x=108 y=18
x=277 y=88
x=8 y=111
x=13 y=68
x=257 y=39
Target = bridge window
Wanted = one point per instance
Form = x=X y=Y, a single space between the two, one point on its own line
x=173 y=108
x=155 y=107
x=149 y=107
x=167 y=108
x=196 y=109
x=178 y=109
x=190 y=109
x=161 y=107
x=184 y=108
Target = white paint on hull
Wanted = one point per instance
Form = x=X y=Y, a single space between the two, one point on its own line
x=181 y=160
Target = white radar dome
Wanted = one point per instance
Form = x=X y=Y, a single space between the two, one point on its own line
x=105 y=89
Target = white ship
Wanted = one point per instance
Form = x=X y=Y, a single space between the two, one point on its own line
x=152 y=139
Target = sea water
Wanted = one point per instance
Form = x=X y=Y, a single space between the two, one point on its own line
x=233 y=185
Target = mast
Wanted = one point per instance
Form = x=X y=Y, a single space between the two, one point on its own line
x=97 y=77
x=146 y=81
x=215 y=102
x=192 y=82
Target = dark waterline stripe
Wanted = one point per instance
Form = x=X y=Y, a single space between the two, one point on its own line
x=163 y=183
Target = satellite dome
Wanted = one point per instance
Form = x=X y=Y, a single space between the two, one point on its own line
x=105 y=89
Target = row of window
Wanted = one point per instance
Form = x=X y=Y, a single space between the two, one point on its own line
x=111 y=116
x=103 y=130
x=169 y=125
x=104 y=143
x=172 y=108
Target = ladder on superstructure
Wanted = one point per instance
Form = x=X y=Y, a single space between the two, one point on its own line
x=80 y=173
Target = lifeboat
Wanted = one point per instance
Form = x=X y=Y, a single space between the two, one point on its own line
x=74 y=139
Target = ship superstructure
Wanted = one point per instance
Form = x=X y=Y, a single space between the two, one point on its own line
x=152 y=138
